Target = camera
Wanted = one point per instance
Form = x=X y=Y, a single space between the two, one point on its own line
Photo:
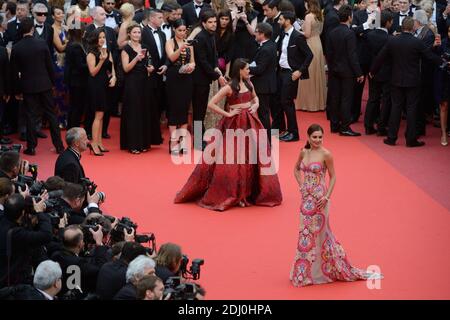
x=13 y=147
x=91 y=187
x=194 y=271
x=178 y=290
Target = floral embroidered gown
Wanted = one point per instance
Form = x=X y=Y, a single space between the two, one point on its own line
x=319 y=257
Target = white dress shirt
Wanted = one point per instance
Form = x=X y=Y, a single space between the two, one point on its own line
x=284 y=55
x=400 y=20
x=39 y=30
x=197 y=10
x=111 y=21
x=167 y=29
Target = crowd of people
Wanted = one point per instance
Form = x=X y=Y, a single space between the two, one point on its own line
x=159 y=61
x=56 y=243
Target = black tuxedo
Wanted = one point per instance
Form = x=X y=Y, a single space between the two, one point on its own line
x=76 y=77
x=12 y=32
x=330 y=22
x=116 y=15
x=46 y=35
x=138 y=15
x=264 y=79
x=3 y=39
x=28 y=292
x=396 y=26
x=68 y=167
x=205 y=55
x=128 y=292
x=299 y=57
x=30 y=58
x=190 y=15
x=343 y=69
x=276 y=28
x=379 y=85
x=4 y=73
x=111 y=278
x=405 y=53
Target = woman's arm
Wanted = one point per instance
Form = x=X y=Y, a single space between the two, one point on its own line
x=126 y=63
x=297 y=171
x=94 y=69
x=59 y=45
x=306 y=27
x=122 y=38
x=219 y=96
x=328 y=158
x=112 y=81
x=172 y=54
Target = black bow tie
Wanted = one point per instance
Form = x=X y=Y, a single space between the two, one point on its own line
x=110 y=15
x=198 y=7
x=39 y=26
x=403 y=15
x=155 y=31
x=286 y=34
x=166 y=26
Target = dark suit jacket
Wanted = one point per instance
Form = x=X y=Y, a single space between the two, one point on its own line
x=342 y=58
x=396 y=26
x=117 y=16
x=205 y=54
x=376 y=40
x=76 y=71
x=12 y=32
x=128 y=292
x=405 y=53
x=189 y=15
x=28 y=292
x=264 y=74
x=298 y=52
x=330 y=22
x=3 y=39
x=276 y=28
x=149 y=42
x=31 y=58
x=300 y=9
x=46 y=35
x=4 y=72
x=68 y=167
x=139 y=16
x=111 y=278
x=359 y=18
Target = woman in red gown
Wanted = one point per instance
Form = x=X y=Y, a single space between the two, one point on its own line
x=221 y=184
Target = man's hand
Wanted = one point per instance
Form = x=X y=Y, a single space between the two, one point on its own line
x=360 y=79
x=19 y=97
x=296 y=75
x=112 y=81
x=23 y=167
x=129 y=237
x=39 y=206
x=95 y=198
x=63 y=221
x=97 y=235
x=162 y=70
x=23 y=192
x=150 y=69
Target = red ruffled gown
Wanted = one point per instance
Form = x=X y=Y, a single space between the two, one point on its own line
x=220 y=186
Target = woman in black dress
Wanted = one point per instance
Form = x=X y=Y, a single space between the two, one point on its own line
x=224 y=40
x=135 y=124
x=101 y=75
x=244 y=24
x=179 y=85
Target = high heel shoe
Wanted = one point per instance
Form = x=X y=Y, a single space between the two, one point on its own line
x=102 y=150
x=174 y=151
x=444 y=141
x=91 y=150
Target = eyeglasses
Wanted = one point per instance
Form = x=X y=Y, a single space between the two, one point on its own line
x=110 y=3
x=41 y=14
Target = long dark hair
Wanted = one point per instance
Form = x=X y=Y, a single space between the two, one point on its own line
x=312 y=128
x=93 y=40
x=228 y=30
x=238 y=65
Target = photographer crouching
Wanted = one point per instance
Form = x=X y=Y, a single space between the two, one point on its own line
x=21 y=234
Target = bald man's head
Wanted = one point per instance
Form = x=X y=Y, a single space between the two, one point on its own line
x=73 y=237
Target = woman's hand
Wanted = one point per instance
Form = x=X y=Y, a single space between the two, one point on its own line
x=140 y=56
x=150 y=69
x=322 y=203
x=234 y=112
x=112 y=81
x=254 y=107
x=103 y=54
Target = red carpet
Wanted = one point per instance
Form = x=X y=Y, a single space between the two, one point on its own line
x=382 y=214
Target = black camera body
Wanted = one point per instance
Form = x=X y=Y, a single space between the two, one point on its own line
x=178 y=290
x=194 y=270
x=14 y=147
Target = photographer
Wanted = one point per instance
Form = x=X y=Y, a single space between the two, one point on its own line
x=72 y=201
x=18 y=241
x=11 y=165
x=168 y=261
x=68 y=164
x=112 y=275
x=137 y=269
x=6 y=189
x=150 y=288
x=72 y=255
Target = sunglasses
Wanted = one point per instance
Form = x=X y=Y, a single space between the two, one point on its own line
x=41 y=14
x=110 y=3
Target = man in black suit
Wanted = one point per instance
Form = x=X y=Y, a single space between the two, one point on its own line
x=380 y=84
x=17 y=242
x=46 y=282
x=5 y=88
x=73 y=240
x=405 y=53
x=68 y=164
x=427 y=104
x=191 y=11
x=113 y=16
x=42 y=30
x=155 y=40
x=263 y=72
x=343 y=70
x=271 y=13
x=404 y=6
x=12 y=33
x=206 y=70
x=99 y=16
x=294 y=59
x=112 y=275
x=11 y=165
x=171 y=14
x=139 y=11
x=363 y=23
x=33 y=76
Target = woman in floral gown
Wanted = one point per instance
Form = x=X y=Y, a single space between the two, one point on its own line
x=319 y=258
